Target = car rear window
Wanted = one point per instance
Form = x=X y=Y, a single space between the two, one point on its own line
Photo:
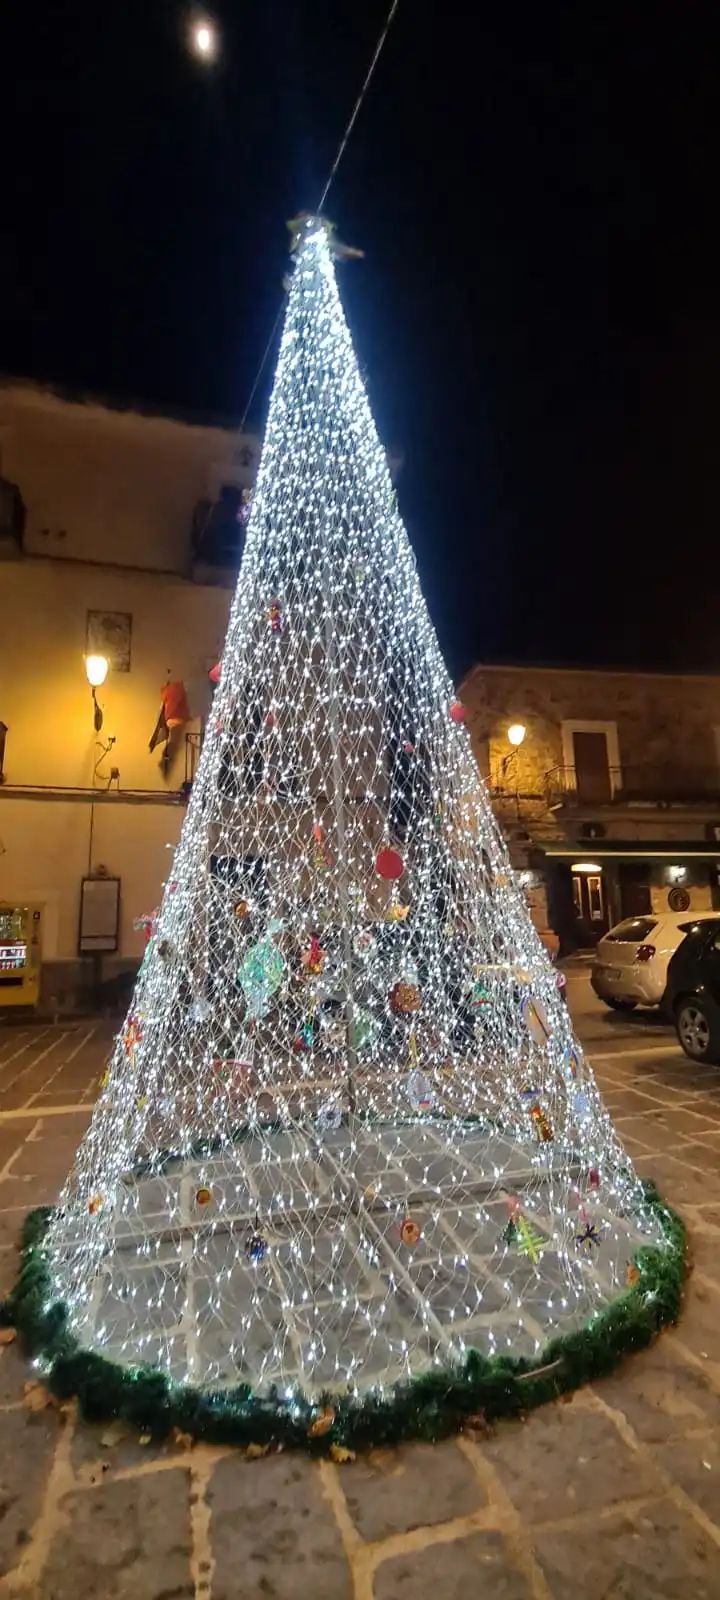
x=633 y=928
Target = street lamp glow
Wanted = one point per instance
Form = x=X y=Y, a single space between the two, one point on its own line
x=204 y=39
x=96 y=669
x=516 y=733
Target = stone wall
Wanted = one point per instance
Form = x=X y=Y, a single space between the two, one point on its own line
x=663 y=719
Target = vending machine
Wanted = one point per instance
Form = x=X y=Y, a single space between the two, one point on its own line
x=20 y=954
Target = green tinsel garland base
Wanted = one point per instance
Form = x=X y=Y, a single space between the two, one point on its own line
x=429 y=1407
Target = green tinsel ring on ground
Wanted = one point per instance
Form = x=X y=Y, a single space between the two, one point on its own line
x=429 y=1407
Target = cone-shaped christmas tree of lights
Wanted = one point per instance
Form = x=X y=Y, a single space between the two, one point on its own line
x=346 y=1136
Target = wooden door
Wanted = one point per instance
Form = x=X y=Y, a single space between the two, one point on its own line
x=592 y=769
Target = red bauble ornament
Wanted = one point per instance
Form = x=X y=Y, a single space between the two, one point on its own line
x=389 y=864
x=408 y=747
x=270 y=719
x=457 y=711
x=594 y=1178
x=214 y=673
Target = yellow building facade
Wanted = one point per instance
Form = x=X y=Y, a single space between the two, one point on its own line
x=116 y=537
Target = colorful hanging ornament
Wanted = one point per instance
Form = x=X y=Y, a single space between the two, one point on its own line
x=241 y=909
x=479 y=996
x=214 y=673
x=594 y=1178
x=132 y=1035
x=536 y=1020
x=404 y=998
x=419 y=1090
x=365 y=1029
x=581 y=1104
x=201 y=1009
x=203 y=1195
x=313 y=959
x=527 y=1239
x=409 y=1232
x=95 y=1204
x=261 y=972
x=145 y=925
x=589 y=1237
x=275 y=616
x=542 y=1127
x=408 y=747
x=255 y=1247
x=365 y=942
x=456 y=711
x=389 y=864
x=329 y=1116
x=322 y=859
x=572 y=1062
x=395 y=912
x=303 y=1040
x=269 y=721
x=321 y=1423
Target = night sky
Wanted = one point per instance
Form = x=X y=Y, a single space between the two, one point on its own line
x=535 y=188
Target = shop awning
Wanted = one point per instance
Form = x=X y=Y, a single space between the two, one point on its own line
x=633 y=850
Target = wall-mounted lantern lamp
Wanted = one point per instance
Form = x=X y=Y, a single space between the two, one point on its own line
x=515 y=736
x=96 y=669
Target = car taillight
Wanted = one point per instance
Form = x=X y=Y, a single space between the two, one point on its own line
x=645 y=952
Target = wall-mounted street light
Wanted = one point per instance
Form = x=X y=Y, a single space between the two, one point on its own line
x=96 y=671
x=515 y=736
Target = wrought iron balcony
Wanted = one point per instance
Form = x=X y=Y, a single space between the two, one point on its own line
x=645 y=783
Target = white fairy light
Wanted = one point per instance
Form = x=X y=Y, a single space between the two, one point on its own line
x=222 y=1219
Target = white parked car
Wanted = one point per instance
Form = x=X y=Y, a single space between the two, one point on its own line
x=631 y=961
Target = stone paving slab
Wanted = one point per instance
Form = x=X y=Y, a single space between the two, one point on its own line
x=566 y=1458
x=28 y=1443
x=659 y=1554
x=272 y=1533
x=392 y=1491
x=480 y=1565
x=131 y=1542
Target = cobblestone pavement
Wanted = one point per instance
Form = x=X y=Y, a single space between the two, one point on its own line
x=614 y=1495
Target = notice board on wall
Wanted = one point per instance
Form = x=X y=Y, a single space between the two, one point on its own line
x=99 y=915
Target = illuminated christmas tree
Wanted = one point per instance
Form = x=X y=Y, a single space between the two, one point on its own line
x=346 y=1060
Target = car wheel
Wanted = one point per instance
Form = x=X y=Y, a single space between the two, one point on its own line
x=698 y=1029
x=621 y=1005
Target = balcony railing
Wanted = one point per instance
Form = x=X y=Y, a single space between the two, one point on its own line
x=660 y=784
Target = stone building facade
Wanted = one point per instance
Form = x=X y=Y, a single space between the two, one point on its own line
x=611 y=803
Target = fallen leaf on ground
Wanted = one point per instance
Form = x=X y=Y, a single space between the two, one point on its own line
x=113 y=1434
x=7 y=1336
x=339 y=1453
x=184 y=1441
x=145 y=1438
x=37 y=1397
x=255 y=1451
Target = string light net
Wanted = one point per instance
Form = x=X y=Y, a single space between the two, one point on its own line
x=346 y=1133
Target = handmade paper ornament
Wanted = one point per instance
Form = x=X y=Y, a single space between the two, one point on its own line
x=419 y=1090
x=409 y=1232
x=329 y=1116
x=404 y=998
x=536 y=1020
x=261 y=972
x=456 y=711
